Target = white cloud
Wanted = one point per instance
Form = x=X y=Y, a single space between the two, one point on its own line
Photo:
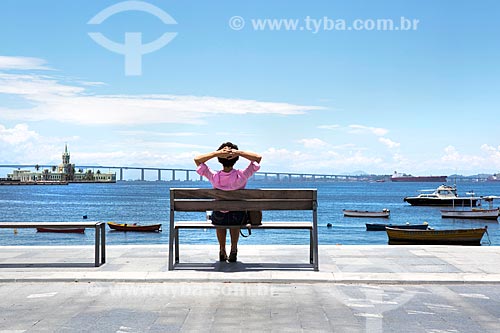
x=157 y=134
x=313 y=143
x=329 y=127
x=400 y=159
x=275 y=159
x=16 y=135
x=451 y=154
x=492 y=155
x=22 y=63
x=21 y=145
x=144 y=158
x=389 y=143
x=92 y=84
x=36 y=88
x=51 y=99
x=487 y=161
x=360 y=129
x=491 y=151
x=327 y=161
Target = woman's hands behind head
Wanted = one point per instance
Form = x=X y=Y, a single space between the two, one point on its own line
x=227 y=152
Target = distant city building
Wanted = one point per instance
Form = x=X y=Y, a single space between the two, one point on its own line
x=64 y=172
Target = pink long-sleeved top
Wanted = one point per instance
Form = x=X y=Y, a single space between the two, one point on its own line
x=228 y=181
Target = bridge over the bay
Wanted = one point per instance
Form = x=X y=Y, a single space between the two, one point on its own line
x=171 y=174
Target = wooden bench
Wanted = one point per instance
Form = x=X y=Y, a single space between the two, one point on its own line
x=201 y=200
x=99 y=227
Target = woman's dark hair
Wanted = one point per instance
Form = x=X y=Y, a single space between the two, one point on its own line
x=228 y=162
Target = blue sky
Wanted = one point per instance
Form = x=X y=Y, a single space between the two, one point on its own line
x=421 y=101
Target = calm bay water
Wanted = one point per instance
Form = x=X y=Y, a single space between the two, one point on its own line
x=148 y=203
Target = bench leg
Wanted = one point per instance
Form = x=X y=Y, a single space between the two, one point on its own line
x=311 y=247
x=171 y=250
x=176 y=232
x=97 y=243
x=103 y=243
x=316 y=255
x=314 y=235
x=315 y=252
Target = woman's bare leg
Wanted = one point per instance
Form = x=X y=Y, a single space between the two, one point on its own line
x=221 y=237
x=235 y=236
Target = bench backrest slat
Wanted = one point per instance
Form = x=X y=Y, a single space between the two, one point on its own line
x=199 y=200
x=205 y=193
x=204 y=205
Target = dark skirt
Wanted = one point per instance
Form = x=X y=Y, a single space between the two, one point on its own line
x=229 y=218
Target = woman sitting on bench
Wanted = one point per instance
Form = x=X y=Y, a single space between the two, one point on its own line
x=228 y=179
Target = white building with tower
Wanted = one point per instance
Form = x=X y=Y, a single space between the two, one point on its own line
x=64 y=172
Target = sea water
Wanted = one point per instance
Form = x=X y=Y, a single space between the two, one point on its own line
x=148 y=203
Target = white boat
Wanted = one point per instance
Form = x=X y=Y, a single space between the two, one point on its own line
x=474 y=213
x=477 y=213
x=444 y=195
x=365 y=213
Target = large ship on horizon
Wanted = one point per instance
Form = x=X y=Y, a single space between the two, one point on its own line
x=403 y=177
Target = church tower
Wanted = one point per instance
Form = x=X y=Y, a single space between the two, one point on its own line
x=67 y=169
x=65 y=155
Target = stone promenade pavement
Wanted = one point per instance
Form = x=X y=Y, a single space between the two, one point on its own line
x=270 y=289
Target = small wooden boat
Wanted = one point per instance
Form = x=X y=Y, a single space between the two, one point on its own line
x=134 y=227
x=62 y=230
x=365 y=213
x=382 y=226
x=475 y=213
x=435 y=237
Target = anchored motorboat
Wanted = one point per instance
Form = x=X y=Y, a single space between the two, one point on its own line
x=444 y=195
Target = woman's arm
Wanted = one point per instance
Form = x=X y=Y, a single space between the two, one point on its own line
x=224 y=152
x=248 y=155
